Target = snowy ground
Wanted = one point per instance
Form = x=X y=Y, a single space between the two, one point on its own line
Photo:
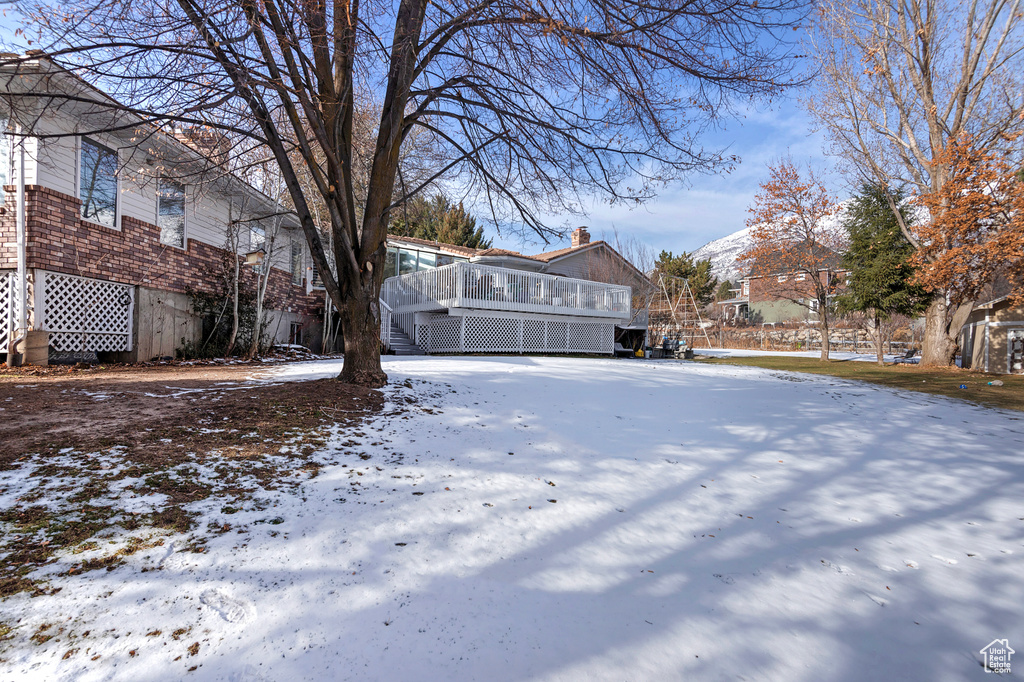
x=576 y=519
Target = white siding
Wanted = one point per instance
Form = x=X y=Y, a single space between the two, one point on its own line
x=206 y=219
x=206 y=212
x=574 y=265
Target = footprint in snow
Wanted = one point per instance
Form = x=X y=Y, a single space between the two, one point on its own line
x=727 y=579
x=878 y=600
x=230 y=609
x=910 y=564
x=944 y=559
x=249 y=673
x=842 y=570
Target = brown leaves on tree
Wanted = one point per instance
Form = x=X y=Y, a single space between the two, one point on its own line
x=796 y=248
x=976 y=230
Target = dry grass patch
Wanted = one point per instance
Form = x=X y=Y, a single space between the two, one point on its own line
x=944 y=381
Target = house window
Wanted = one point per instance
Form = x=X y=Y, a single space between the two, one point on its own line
x=746 y=288
x=257 y=237
x=170 y=213
x=97 y=183
x=813 y=305
x=783 y=278
x=427 y=261
x=297 y=262
x=315 y=281
x=295 y=334
x=406 y=261
x=800 y=277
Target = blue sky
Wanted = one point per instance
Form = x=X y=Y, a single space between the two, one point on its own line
x=686 y=216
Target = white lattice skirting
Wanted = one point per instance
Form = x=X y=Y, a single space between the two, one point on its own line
x=6 y=308
x=496 y=334
x=84 y=314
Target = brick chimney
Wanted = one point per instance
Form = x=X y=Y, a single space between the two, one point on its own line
x=580 y=237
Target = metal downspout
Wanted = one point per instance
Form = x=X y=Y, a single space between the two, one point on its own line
x=987 y=320
x=22 y=283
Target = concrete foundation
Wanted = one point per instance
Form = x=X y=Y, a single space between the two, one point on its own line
x=34 y=349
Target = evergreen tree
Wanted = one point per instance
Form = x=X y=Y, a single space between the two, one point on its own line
x=438 y=219
x=878 y=259
x=724 y=291
x=697 y=273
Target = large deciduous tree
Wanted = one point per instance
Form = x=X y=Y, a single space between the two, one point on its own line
x=533 y=106
x=796 y=243
x=900 y=81
x=879 y=261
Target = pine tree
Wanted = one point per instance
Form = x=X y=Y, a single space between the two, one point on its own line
x=438 y=219
x=724 y=291
x=878 y=259
x=697 y=273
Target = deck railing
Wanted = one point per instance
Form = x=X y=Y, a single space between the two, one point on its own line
x=385 y=323
x=469 y=285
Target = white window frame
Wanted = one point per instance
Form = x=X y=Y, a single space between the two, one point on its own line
x=1009 y=347
x=783 y=278
x=253 y=227
x=800 y=277
x=78 y=182
x=184 y=232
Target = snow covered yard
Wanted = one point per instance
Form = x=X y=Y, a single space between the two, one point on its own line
x=568 y=519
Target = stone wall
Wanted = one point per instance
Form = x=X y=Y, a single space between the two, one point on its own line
x=796 y=338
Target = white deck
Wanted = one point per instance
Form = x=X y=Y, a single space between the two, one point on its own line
x=483 y=287
x=465 y=307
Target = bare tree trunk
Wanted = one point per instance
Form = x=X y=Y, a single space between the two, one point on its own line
x=361 y=321
x=823 y=319
x=879 y=344
x=234 y=314
x=942 y=331
x=325 y=333
x=262 y=279
x=233 y=240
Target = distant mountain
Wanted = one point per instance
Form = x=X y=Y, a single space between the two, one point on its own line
x=722 y=254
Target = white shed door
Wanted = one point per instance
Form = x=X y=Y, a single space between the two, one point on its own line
x=1015 y=352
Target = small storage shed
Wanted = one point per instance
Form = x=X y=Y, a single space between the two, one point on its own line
x=992 y=340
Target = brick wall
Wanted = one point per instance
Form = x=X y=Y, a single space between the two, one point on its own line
x=60 y=241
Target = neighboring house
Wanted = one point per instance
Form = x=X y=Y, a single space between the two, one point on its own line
x=110 y=236
x=783 y=295
x=577 y=299
x=992 y=340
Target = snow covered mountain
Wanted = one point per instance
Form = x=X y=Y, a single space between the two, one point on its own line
x=722 y=254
